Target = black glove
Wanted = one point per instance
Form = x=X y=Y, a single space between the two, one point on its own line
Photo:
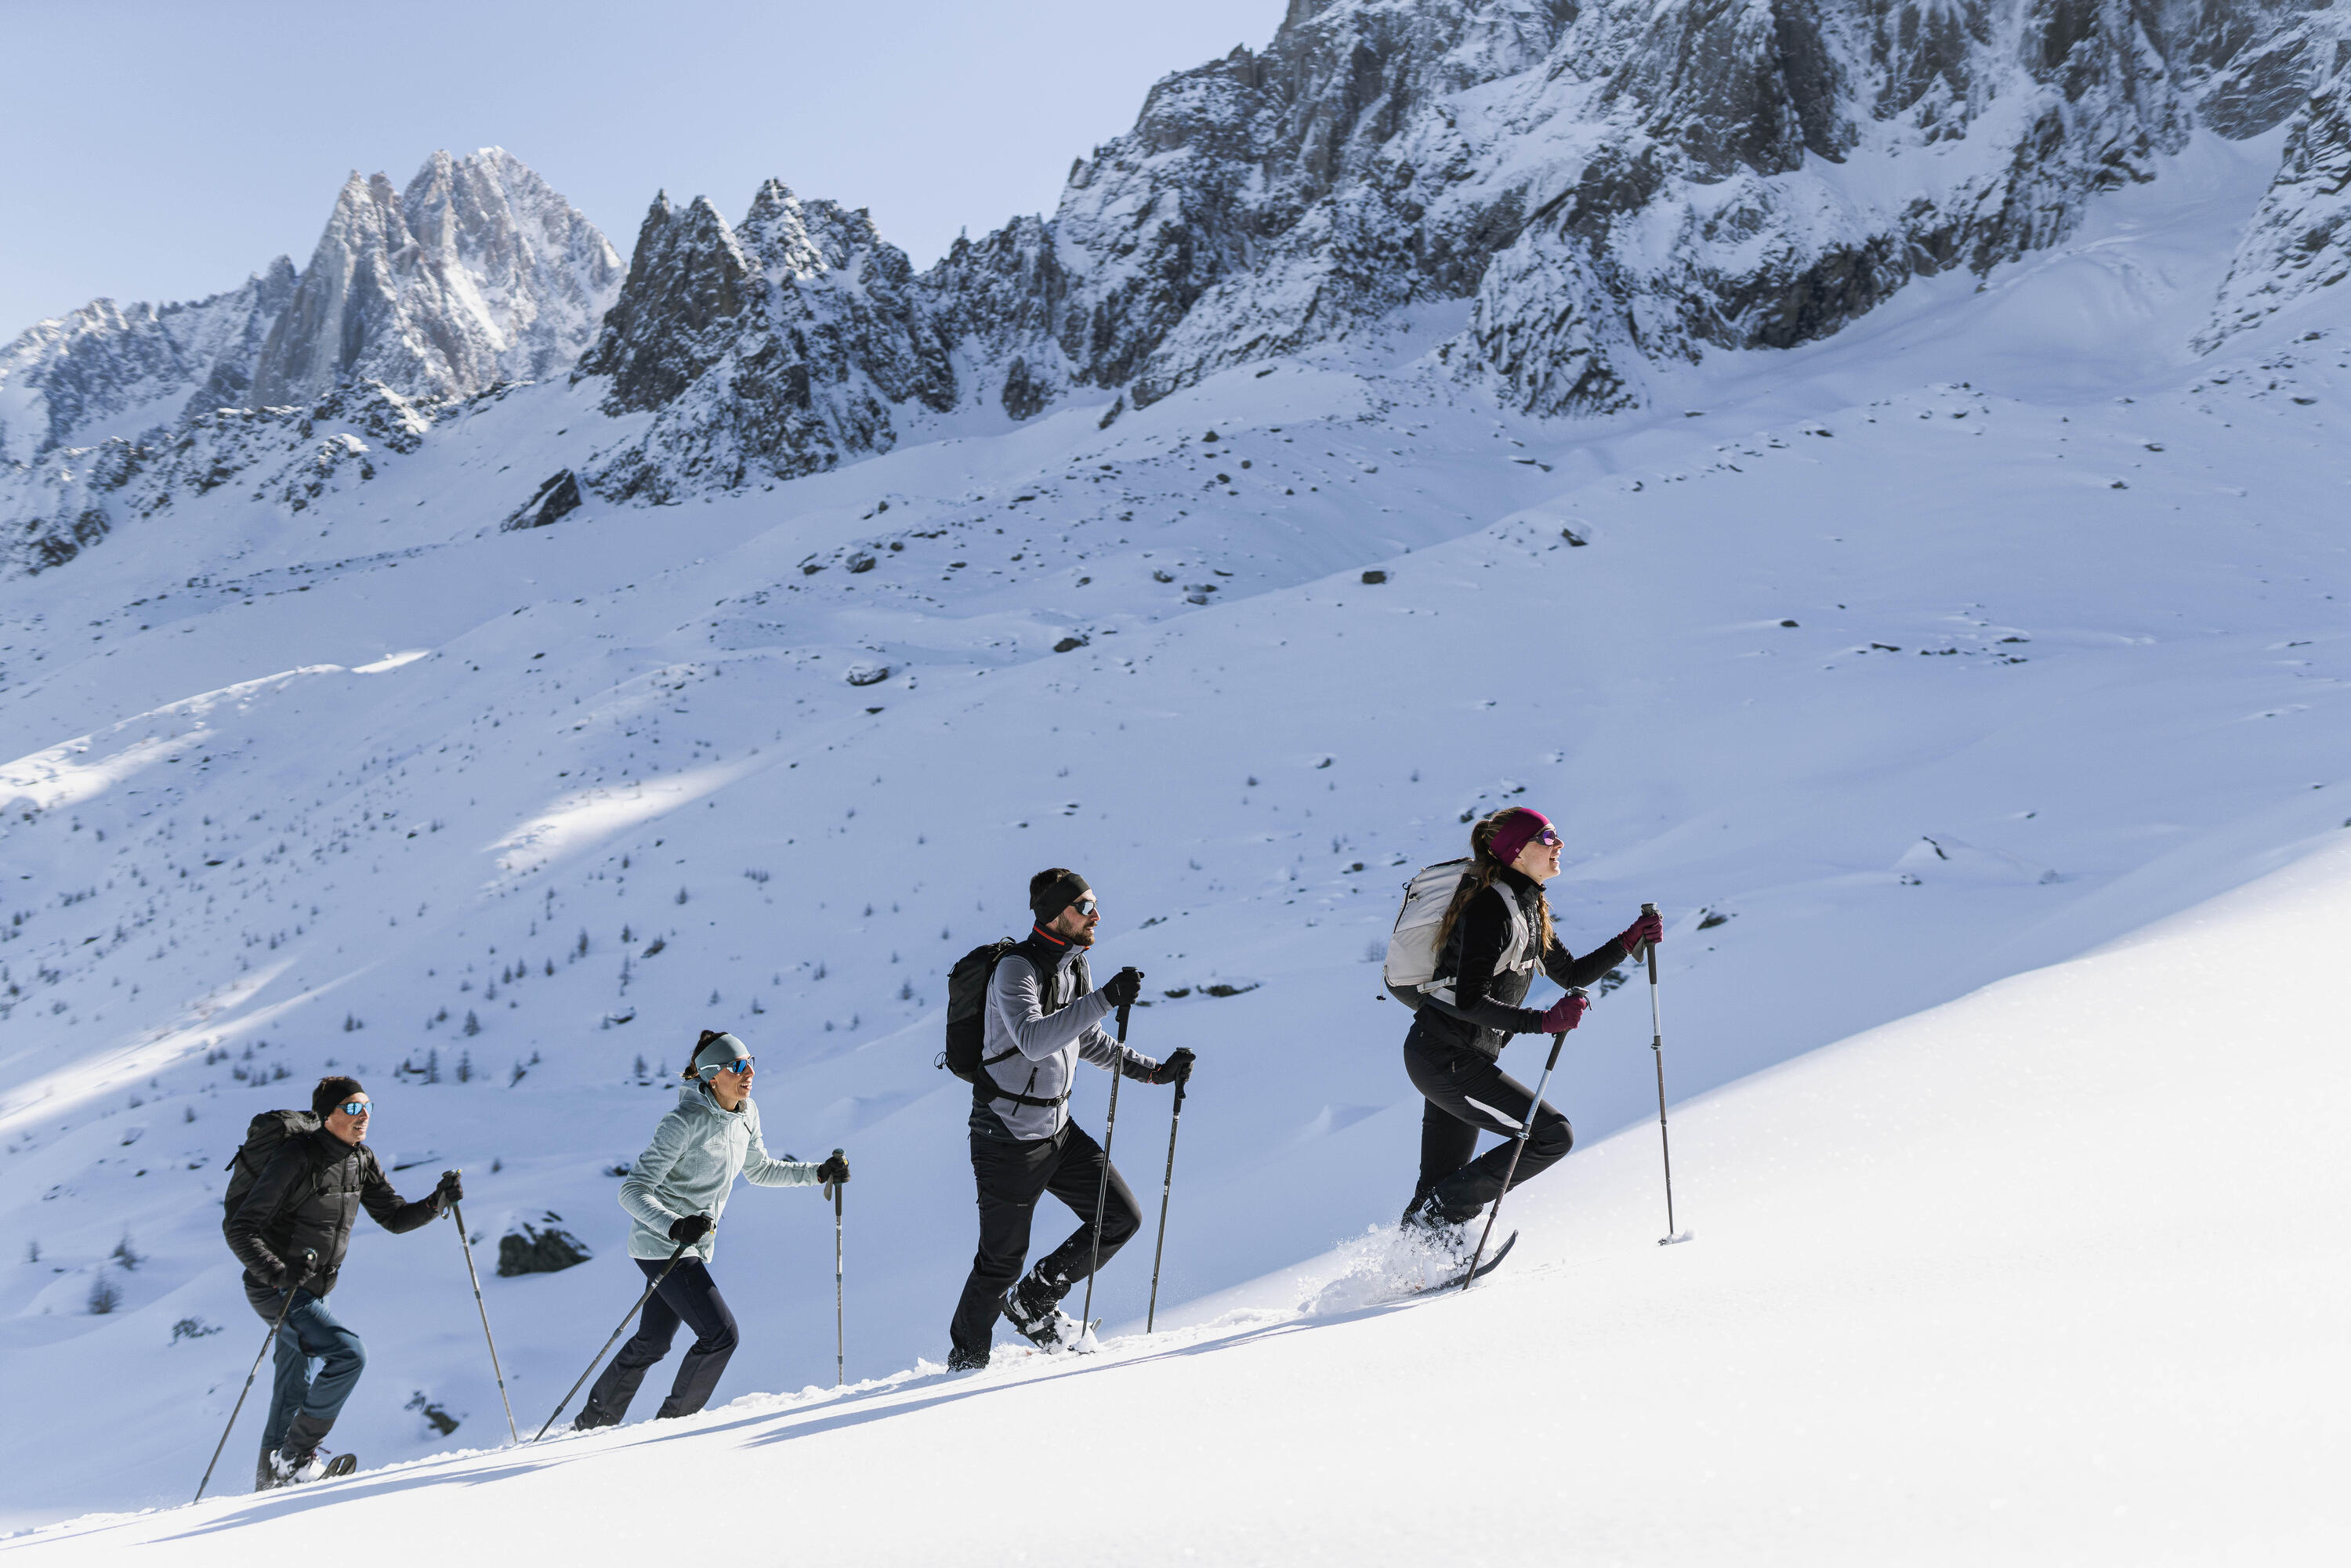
x=1124 y=988
x=690 y=1229
x=451 y=1190
x=834 y=1169
x=273 y=1272
x=1176 y=1068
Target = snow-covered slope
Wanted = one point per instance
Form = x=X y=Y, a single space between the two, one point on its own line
x=1987 y=631
x=2043 y=1275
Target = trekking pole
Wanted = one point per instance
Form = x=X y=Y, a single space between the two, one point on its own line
x=840 y=1322
x=1517 y=1146
x=310 y=1262
x=1166 y=1186
x=616 y=1335
x=465 y=1242
x=1657 y=1049
x=1102 y=1189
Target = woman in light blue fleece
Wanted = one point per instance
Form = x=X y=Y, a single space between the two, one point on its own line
x=674 y=1195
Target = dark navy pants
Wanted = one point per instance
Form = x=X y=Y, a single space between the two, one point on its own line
x=689 y=1296
x=303 y=1408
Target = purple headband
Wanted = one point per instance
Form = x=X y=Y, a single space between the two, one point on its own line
x=1516 y=831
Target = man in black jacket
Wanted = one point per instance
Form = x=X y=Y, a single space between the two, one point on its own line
x=307 y=1199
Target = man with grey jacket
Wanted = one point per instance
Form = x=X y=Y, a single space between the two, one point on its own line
x=1043 y=1016
x=674 y=1194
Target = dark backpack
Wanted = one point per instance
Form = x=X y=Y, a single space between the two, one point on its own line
x=967 y=984
x=266 y=1134
x=967 y=1006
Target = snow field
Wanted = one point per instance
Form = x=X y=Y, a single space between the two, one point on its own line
x=1848 y=821
x=2014 y=1279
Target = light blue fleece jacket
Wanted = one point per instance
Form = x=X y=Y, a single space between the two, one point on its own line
x=696 y=1153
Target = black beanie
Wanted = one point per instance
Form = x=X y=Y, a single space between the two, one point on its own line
x=1056 y=895
x=332 y=1092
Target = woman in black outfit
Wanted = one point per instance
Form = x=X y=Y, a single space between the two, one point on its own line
x=1495 y=932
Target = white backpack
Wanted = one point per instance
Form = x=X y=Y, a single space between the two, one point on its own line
x=1411 y=968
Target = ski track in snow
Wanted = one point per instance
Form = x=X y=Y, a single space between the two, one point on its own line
x=2067 y=658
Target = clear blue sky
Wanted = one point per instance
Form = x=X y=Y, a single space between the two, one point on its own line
x=164 y=151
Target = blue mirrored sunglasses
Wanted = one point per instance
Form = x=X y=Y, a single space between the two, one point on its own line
x=739 y=1065
x=354 y=1107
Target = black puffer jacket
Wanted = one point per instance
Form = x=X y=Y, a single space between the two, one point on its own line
x=1485 y=1011
x=309 y=1195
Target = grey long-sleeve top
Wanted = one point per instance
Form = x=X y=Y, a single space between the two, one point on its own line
x=697 y=1152
x=1047 y=1047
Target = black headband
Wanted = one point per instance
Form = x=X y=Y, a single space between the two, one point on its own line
x=1059 y=895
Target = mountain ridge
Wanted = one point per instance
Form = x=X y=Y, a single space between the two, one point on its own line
x=1602 y=191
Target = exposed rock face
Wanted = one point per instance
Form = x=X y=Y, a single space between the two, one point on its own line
x=2300 y=240
x=769 y=352
x=530 y=1250
x=1605 y=186
x=108 y=370
x=477 y=273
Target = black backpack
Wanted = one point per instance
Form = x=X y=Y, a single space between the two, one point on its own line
x=967 y=984
x=262 y=1138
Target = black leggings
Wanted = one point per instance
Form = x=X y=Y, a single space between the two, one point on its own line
x=1468 y=1093
x=690 y=1296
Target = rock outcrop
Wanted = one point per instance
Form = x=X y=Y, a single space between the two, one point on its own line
x=767 y=352
x=2300 y=240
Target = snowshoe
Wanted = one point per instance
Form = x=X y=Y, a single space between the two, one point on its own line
x=962 y=1360
x=1462 y=1276
x=342 y=1465
x=296 y=1470
x=1039 y=1319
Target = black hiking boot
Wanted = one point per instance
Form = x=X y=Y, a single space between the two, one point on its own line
x=1034 y=1308
x=962 y=1360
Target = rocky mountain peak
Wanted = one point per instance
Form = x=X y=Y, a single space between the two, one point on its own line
x=477 y=273
x=687 y=279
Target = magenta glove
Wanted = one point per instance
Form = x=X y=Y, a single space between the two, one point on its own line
x=1648 y=928
x=1565 y=1013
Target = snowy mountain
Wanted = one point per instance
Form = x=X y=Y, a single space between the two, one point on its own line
x=1587 y=196
x=478 y=276
x=490 y=746
x=477 y=273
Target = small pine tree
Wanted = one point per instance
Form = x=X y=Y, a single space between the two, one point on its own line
x=127 y=1255
x=641 y=1069
x=432 y=1061
x=464 y=1067
x=681 y=895
x=906 y=990
x=105 y=1295
x=473 y=1025
x=33 y=1250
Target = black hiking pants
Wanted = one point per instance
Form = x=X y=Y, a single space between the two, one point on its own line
x=1469 y=1094
x=1011 y=1176
x=689 y=1296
